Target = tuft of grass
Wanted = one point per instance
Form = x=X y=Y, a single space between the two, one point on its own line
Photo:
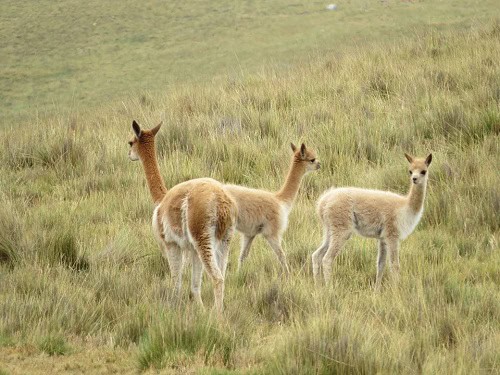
x=61 y=248
x=324 y=347
x=53 y=345
x=6 y=340
x=173 y=337
x=279 y=303
x=58 y=150
x=11 y=235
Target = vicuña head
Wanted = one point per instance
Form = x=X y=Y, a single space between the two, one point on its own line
x=141 y=143
x=418 y=169
x=305 y=157
x=387 y=216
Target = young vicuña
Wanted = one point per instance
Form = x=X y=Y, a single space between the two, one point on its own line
x=387 y=216
x=266 y=213
x=195 y=217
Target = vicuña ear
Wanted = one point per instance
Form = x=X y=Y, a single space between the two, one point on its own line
x=294 y=148
x=303 y=151
x=137 y=129
x=428 y=160
x=156 y=128
x=409 y=158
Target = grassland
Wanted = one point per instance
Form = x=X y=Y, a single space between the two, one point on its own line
x=72 y=55
x=83 y=287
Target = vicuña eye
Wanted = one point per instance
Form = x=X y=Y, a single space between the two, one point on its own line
x=313 y=160
x=410 y=172
x=130 y=143
x=423 y=173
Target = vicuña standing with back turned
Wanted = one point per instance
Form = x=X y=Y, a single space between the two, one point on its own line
x=387 y=216
x=195 y=217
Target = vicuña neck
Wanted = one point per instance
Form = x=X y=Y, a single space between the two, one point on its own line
x=290 y=188
x=416 y=197
x=153 y=177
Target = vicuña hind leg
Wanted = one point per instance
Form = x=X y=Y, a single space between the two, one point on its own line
x=337 y=241
x=196 y=278
x=203 y=246
x=223 y=253
x=246 y=242
x=381 y=260
x=317 y=258
x=275 y=243
x=175 y=260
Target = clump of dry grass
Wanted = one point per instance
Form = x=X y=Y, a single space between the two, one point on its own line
x=11 y=236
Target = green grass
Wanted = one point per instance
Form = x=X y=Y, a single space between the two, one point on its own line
x=70 y=195
x=53 y=345
x=65 y=57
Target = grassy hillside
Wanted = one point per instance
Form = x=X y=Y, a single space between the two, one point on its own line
x=82 y=284
x=70 y=55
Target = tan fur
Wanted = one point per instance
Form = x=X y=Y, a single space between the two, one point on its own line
x=195 y=216
x=386 y=216
x=266 y=213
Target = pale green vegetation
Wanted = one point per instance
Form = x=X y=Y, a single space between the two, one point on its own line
x=66 y=56
x=81 y=272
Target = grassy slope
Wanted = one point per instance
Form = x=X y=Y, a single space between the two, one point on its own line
x=77 y=54
x=81 y=271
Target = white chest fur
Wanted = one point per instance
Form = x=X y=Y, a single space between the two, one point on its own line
x=407 y=221
x=285 y=212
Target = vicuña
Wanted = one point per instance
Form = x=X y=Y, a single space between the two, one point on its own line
x=387 y=216
x=266 y=213
x=194 y=217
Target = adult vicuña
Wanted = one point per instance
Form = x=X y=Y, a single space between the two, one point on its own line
x=386 y=216
x=195 y=216
x=266 y=213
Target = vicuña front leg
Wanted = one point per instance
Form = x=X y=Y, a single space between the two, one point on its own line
x=275 y=243
x=393 y=247
x=381 y=260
